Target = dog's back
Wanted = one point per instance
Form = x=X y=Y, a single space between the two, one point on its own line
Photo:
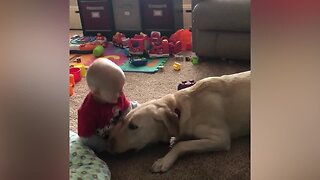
x=227 y=96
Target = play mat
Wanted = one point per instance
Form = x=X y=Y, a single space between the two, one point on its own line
x=118 y=56
x=83 y=163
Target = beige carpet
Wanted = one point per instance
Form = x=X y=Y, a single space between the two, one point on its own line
x=234 y=164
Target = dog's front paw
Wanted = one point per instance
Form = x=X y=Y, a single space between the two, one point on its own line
x=161 y=165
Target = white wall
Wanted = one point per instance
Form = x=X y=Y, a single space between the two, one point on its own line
x=186 y=1
x=74 y=18
x=187 y=21
x=73 y=2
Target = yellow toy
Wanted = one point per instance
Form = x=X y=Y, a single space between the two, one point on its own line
x=81 y=66
x=177 y=66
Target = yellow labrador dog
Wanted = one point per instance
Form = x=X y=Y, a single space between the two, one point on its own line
x=203 y=118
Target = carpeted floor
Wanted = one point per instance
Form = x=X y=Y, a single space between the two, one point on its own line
x=234 y=164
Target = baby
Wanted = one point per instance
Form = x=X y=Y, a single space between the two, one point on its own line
x=104 y=104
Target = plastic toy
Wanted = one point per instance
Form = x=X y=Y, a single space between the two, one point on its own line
x=70 y=89
x=185 y=37
x=98 y=51
x=176 y=66
x=175 y=47
x=178 y=57
x=71 y=80
x=120 y=40
x=160 y=68
x=76 y=73
x=154 y=46
x=86 y=44
x=82 y=68
x=139 y=44
x=136 y=61
x=100 y=39
x=185 y=84
x=195 y=60
x=160 y=49
x=78 y=60
x=155 y=37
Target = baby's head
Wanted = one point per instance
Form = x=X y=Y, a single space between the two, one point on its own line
x=105 y=80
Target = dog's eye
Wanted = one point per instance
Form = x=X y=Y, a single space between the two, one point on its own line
x=132 y=126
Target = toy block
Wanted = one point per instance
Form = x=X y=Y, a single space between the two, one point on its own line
x=177 y=66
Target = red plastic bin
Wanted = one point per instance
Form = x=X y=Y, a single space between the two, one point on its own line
x=76 y=73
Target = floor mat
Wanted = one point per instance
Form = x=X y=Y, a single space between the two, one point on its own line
x=118 y=56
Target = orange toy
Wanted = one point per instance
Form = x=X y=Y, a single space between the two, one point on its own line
x=70 y=89
x=185 y=36
x=71 y=80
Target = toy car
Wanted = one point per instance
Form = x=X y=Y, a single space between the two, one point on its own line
x=138 y=61
x=120 y=40
x=139 y=44
x=160 y=50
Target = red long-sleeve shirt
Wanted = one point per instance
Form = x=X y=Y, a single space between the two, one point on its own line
x=94 y=115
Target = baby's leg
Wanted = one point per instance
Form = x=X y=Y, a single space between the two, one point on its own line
x=95 y=142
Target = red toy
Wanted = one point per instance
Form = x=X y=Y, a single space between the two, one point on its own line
x=160 y=49
x=139 y=44
x=175 y=47
x=155 y=37
x=76 y=73
x=185 y=37
x=120 y=40
x=154 y=46
x=101 y=39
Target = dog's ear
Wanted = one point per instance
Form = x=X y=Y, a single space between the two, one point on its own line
x=169 y=118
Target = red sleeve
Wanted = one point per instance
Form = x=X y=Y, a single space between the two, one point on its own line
x=86 y=118
x=86 y=123
x=124 y=103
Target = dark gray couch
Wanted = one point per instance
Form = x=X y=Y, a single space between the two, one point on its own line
x=221 y=29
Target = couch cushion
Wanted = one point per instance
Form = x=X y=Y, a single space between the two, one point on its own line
x=224 y=15
x=217 y=44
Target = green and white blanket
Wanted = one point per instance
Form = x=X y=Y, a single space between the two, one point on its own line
x=83 y=163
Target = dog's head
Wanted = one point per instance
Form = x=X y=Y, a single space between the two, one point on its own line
x=148 y=123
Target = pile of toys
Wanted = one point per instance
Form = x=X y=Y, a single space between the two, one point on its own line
x=140 y=47
x=86 y=44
